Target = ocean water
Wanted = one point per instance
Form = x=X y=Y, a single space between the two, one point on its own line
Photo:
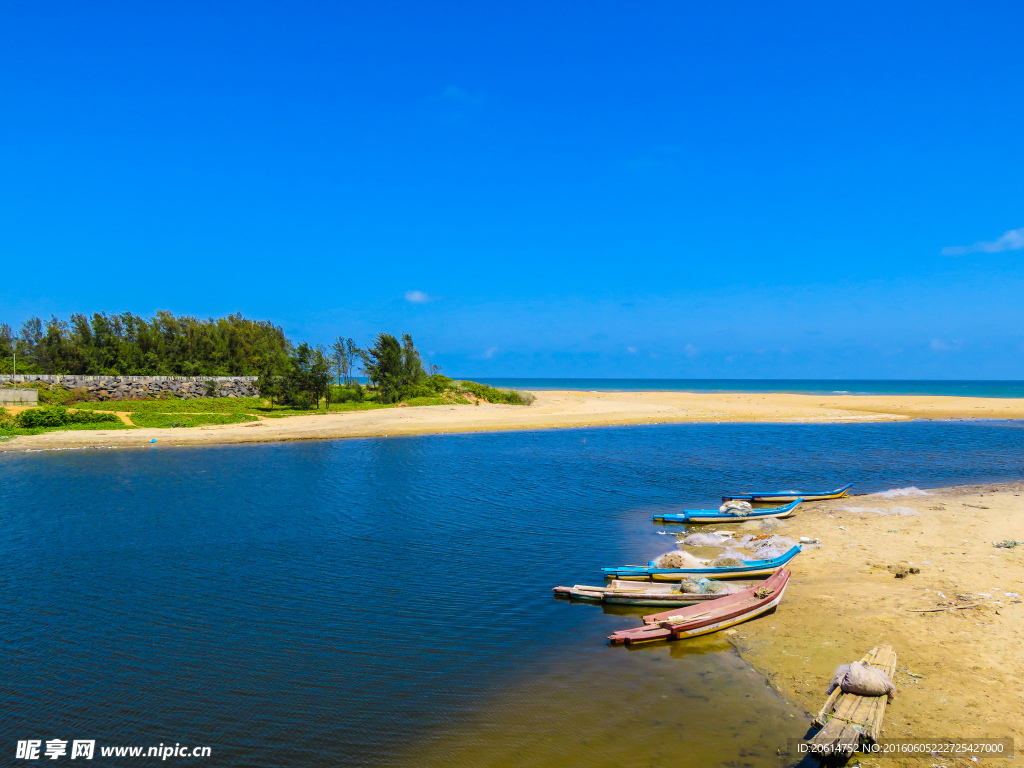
x=798 y=386
x=386 y=602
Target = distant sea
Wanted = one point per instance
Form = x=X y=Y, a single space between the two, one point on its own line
x=798 y=386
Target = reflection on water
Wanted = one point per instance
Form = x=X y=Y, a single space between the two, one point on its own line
x=388 y=602
x=681 y=704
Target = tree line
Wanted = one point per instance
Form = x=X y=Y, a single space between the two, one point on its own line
x=129 y=345
x=165 y=345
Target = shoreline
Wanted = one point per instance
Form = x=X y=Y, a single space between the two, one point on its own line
x=553 y=409
x=956 y=666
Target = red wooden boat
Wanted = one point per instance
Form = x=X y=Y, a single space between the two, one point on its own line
x=708 y=617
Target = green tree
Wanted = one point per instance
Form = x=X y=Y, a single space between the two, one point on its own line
x=320 y=376
x=162 y=345
x=412 y=365
x=355 y=356
x=385 y=368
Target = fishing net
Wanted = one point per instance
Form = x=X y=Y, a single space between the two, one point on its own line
x=770 y=553
x=773 y=547
x=765 y=526
x=758 y=541
x=693 y=585
x=736 y=508
x=706 y=539
x=679 y=559
x=911 y=491
x=900 y=511
x=700 y=586
x=862 y=679
x=727 y=562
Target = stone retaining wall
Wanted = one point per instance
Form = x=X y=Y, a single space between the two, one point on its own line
x=134 y=387
x=18 y=396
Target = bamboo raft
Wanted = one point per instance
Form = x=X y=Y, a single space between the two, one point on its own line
x=848 y=720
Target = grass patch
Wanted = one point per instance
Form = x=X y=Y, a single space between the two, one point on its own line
x=171 y=420
x=195 y=405
x=428 y=401
x=9 y=427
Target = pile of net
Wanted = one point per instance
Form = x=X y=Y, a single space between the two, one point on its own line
x=731 y=558
x=862 y=679
x=727 y=562
x=679 y=559
x=701 y=586
x=768 y=525
x=767 y=547
x=899 y=511
x=736 y=508
x=712 y=539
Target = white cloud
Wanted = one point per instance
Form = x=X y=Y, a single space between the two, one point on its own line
x=631 y=350
x=690 y=351
x=490 y=353
x=938 y=345
x=1012 y=240
x=418 y=297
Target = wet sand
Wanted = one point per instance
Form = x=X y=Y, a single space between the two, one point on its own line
x=552 y=410
x=959 y=671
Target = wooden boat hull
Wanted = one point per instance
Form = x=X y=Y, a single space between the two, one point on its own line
x=704 y=619
x=779 y=497
x=751 y=569
x=633 y=593
x=699 y=516
x=658 y=601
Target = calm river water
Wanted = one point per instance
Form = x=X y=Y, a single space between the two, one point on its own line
x=387 y=602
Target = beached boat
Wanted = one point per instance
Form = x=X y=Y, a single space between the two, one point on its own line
x=708 y=617
x=849 y=720
x=635 y=593
x=778 y=497
x=748 y=569
x=714 y=516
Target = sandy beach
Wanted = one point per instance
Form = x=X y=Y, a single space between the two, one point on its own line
x=552 y=410
x=958 y=670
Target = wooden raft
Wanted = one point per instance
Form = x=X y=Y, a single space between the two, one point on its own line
x=855 y=718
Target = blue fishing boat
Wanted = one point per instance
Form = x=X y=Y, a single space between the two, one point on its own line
x=778 y=497
x=748 y=569
x=715 y=516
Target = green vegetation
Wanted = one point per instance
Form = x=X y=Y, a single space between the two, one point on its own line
x=495 y=395
x=225 y=406
x=126 y=344
x=197 y=405
x=144 y=419
x=58 y=416
x=35 y=421
x=291 y=379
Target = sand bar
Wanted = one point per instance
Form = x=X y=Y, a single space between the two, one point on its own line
x=553 y=409
x=959 y=671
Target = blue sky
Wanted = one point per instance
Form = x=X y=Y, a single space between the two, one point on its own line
x=655 y=189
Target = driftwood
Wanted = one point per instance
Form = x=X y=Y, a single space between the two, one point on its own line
x=847 y=719
x=947 y=608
